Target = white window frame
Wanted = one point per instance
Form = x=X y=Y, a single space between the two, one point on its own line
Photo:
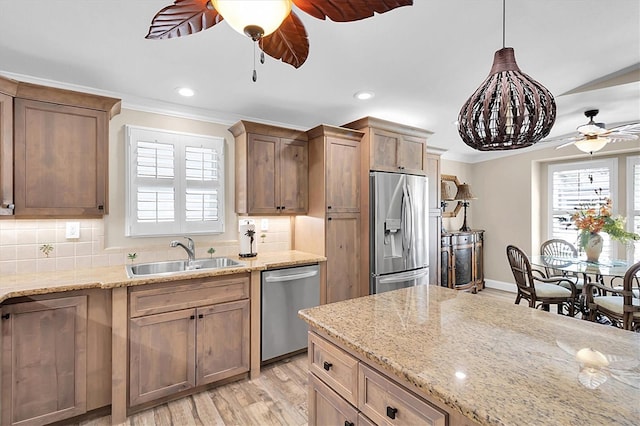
x=180 y=141
x=610 y=249
x=633 y=213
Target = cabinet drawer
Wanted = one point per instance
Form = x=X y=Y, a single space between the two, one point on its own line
x=335 y=367
x=185 y=294
x=462 y=239
x=386 y=403
x=327 y=407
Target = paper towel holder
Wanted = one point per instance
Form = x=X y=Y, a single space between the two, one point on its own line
x=249 y=233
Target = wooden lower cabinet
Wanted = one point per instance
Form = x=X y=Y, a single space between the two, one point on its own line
x=170 y=352
x=343 y=256
x=56 y=356
x=336 y=397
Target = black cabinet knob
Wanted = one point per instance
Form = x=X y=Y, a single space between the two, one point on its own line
x=192 y=317
x=200 y=316
x=6 y=316
x=391 y=412
x=328 y=207
x=329 y=218
x=348 y=423
x=100 y=207
x=327 y=365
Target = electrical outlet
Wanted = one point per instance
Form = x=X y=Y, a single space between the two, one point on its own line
x=73 y=230
x=264 y=225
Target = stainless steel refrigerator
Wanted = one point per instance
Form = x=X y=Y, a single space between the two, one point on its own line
x=399 y=243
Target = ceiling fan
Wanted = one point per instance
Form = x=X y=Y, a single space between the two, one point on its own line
x=283 y=37
x=594 y=136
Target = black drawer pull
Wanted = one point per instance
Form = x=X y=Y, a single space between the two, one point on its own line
x=391 y=412
x=6 y=316
x=100 y=207
x=329 y=218
x=200 y=315
x=348 y=423
x=327 y=365
x=192 y=317
x=328 y=207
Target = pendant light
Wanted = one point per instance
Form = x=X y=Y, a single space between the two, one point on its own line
x=509 y=110
x=255 y=18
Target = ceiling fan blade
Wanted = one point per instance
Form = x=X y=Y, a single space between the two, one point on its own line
x=183 y=17
x=348 y=10
x=289 y=42
x=627 y=128
x=619 y=136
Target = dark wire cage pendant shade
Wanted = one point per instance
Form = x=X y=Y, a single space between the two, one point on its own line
x=509 y=110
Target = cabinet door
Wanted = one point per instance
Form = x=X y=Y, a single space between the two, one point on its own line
x=6 y=154
x=262 y=186
x=412 y=155
x=384 y=150
x=327 y=407
x=293 y=176
x=343 y=176
x=61 y=160
x=161 y=355
x=343 y=256
x=44 y=360
x=222 y=341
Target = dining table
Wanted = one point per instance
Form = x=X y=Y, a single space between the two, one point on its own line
x=604 y=270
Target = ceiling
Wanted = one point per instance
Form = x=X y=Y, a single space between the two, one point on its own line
x=422 y=62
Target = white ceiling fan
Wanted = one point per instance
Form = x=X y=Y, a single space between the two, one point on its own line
x=594 y=136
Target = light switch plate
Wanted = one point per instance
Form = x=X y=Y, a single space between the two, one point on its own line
x=264 y=224
x=73 y=230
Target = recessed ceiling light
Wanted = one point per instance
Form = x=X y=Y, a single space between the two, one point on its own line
x=363 y=95
x=185 y=91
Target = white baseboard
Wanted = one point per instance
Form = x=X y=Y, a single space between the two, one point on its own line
x=501 y=285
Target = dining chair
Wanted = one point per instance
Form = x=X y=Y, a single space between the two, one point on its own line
x=620 y=305
x=540 y=291
x=561 y=249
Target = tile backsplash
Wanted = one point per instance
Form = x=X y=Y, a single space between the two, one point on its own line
x=22 y=241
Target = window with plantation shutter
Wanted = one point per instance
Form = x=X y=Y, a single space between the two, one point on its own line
x=175 y=183
x=633 y=203
x=574 y=185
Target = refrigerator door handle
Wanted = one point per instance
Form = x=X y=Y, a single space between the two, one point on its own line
x=407 y=228
x=405 y=276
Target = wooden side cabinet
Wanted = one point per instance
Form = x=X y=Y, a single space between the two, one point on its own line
x=271 y=169
x=44 y=360
x=462 y=263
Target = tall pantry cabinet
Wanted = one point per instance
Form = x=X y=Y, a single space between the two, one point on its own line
x=333 y=224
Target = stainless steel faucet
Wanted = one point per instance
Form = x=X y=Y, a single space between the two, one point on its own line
x=190 y=248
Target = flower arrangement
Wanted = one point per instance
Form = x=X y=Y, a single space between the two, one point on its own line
x=595 y=217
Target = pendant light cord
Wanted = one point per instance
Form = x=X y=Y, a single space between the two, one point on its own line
x=503 y=25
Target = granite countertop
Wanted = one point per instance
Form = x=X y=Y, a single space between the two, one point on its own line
x=516 y=370
x=115 y=276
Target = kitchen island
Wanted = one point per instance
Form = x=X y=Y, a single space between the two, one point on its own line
x=472 y=360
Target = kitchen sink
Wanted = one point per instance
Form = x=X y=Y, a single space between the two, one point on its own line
x=175 y=266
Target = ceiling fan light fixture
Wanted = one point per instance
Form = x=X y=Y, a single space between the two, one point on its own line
x=255 y=18
x=591 y=144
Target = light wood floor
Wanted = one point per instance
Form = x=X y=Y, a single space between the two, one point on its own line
x=277 y=397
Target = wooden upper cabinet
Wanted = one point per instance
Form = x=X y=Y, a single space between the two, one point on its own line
x=342 y=175
x=271 y=169
x=61 y=150
x=6 y=151
x=44 y=360
x=393 y=147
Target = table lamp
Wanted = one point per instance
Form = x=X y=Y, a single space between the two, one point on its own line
x=464 y=195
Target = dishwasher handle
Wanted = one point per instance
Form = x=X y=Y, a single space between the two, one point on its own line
x=277 y=279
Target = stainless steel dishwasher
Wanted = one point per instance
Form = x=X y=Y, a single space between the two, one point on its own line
x=284 y=293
